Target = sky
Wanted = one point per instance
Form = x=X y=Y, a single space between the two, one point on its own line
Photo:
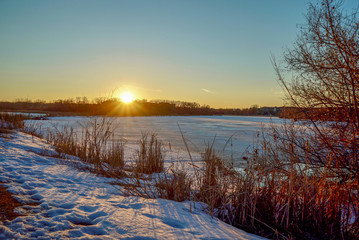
x=211 y=52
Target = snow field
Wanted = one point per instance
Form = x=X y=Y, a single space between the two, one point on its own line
x=61 y=202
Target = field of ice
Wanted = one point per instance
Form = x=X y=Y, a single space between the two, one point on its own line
x=61 y=202
x=231 y=136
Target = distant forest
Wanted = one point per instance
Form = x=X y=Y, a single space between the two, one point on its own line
x=114 y=107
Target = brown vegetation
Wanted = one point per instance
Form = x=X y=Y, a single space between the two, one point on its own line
x=12 y=121
x=300 y=181
x=114 y=107
x=324 y=92
x=7 y=205
x=95 y=144
x=150 y=157
x=281 y=193
x=326 y=77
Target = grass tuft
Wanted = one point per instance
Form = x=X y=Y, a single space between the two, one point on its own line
x=95 y=145
x=150 y=156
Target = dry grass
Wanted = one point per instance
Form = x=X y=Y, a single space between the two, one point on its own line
x=280 y=195
x=150 y=156
x=175 y=184
x=214 y=180
x=12 y=121
x=96 y=144
x=290 y=188
x=7 y=205
x=9 y=122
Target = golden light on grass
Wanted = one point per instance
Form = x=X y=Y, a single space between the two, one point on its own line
x=127 y=97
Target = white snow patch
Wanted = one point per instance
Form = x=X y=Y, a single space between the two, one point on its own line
x=79 y=205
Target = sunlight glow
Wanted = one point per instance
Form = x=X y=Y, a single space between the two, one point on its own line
x=127 y=97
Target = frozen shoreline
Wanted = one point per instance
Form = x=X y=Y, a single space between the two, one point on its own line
x=80 y=205
x=231 y=135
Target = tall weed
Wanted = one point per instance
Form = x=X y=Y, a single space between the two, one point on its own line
x=12 y=121
x=95 y=144
x=150 y=156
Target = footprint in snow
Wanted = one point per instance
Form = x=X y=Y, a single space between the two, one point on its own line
x=107 y=196
x=168 y=221
x=66 y=205
x=211 y=238
x=9 y=168
x=121 y=231
x=88 y=209
x=65 y=181
x=97 y=215
x=19 y=180
x=31 y=192
x=107 y=224
x=75 y=233
x=38 y=184
x=36 y=197
x=194 y=233
x=93 y=230
x=139 y=238
x=121 y=206
x=64 y=191
x=27 y=186
x=45 y=206
x=45 y=223
x=78 y=219
x=37 y=234
x=61 y=227
x=136 y=206
x=54 y=212
x=173 y=223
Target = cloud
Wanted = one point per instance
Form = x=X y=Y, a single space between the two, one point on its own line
x=277 y=91
x=208 y=91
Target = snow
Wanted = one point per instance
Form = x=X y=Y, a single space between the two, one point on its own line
x=199 y=131
x=63 y=202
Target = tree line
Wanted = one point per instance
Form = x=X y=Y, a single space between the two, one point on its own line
x=114 y=107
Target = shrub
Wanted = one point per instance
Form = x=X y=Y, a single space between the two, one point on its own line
x=15 y=121
x=12 y=120
x=321 y=167
x=114 y=155
x=95 y=145
x=213 y=182
x=282 y=194
x=150 y=158
x=175 y=184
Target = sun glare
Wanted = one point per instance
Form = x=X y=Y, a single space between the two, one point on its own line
x=127 y=97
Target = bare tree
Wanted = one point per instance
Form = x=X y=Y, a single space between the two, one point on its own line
x=323 y=86
x=325 y=83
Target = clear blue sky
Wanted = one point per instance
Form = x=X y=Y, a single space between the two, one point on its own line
x=210 y=52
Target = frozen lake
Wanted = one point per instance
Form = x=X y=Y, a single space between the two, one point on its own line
x=199 y=131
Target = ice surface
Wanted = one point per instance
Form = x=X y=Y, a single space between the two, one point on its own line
x=232 y=134
x=79 y=205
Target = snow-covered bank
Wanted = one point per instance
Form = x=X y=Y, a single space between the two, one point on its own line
x=80 y=205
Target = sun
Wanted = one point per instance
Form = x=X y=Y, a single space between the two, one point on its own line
x=127 y=97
